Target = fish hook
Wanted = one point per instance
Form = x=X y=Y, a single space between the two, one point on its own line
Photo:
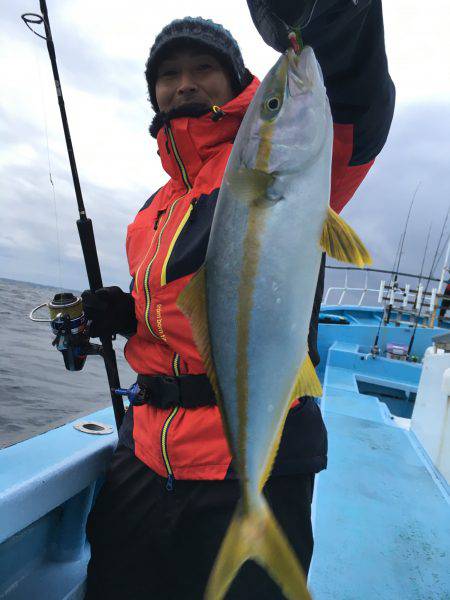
x=295 y=40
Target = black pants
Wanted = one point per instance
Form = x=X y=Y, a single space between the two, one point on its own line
x=154 y=544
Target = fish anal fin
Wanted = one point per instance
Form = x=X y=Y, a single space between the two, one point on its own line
x=192 y=302
x=273 y=452
x=341 y=242
x=256 y=535
x=306 y=383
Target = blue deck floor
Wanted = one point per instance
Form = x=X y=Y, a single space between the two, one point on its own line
x=382 y=518
x=381 y=514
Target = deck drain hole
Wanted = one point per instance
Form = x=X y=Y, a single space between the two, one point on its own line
x=93 y=427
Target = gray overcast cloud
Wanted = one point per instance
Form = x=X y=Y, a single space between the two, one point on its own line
x=101 y=52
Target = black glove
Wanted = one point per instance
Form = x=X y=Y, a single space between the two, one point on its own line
x=275 y=18
x=111 y=311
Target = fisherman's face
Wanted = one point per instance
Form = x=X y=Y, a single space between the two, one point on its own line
x=191 y=76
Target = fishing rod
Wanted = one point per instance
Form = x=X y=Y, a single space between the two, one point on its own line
x=445 y=245
x=386 y=315
x=423 y=257
x=407 y=289
x=86 y=233
x=421 y=268
x=433 y=266
x=400 y=252
x=385 y=318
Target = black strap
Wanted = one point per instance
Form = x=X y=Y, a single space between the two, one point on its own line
x=187 y=391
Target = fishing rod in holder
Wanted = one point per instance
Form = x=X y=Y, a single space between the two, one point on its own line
x=393 y=285
x=66 y=314
x=435 y=294
x=420 y=303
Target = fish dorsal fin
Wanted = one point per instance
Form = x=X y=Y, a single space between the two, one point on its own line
x=250 y=184
x=306 y=384
x=192 y=302
x=341 y=242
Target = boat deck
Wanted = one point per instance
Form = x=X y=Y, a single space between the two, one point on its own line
x=381 y=512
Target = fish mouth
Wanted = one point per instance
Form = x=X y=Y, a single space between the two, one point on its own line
x=299 y=78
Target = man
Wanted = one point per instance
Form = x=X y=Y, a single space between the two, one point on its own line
x=171 y=489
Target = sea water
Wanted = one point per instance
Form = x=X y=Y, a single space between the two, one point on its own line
x=37 y=393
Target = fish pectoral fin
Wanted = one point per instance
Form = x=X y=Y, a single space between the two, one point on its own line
x=192 y=303
x=256 y=535
x=266 y=201
x=307 y=383
x=341 y=242
x=250 y=184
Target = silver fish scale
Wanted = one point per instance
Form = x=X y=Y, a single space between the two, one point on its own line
x=287 y=269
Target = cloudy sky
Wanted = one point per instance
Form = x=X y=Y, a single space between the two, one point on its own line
x=101 y=49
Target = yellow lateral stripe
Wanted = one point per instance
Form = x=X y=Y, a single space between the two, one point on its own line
x=164 y=439
x=172 y=244
x=179 y=161
x=252 y=253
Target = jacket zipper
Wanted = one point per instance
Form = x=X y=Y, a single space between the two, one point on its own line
x=177 y=156
x=173 y=242
x=187 y=183
x=176 y=358
x=136 y=277
x=148 y=270
x=165 y=429
x=170 y=476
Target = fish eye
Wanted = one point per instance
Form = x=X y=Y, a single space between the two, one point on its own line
x=272 y=103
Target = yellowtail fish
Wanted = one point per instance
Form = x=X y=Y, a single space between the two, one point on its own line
x=250 y=304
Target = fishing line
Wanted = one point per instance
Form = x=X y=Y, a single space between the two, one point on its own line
x=310 y=16
x=44 y=114
x=295 y=32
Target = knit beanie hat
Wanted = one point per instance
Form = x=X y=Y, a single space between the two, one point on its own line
x=202 y=32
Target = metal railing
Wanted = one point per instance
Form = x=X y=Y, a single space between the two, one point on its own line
x=415 y=300
x=346 y=288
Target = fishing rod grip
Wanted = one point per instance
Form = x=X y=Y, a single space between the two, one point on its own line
x=109 y=357
x=87 y=239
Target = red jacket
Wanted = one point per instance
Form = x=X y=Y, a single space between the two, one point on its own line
x=166 y=244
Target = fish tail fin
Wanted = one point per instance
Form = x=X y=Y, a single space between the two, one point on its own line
x=255 y=534
x=341 y=242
